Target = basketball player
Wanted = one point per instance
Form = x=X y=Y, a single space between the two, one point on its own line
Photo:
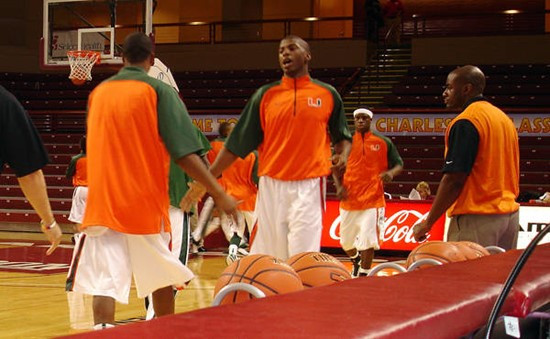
x=135 y=124
x=22 y=149
x=177 y=187
x=205 y=219
x=77 y=172
x=373 y=160
x=480 y=180
x=287 y=122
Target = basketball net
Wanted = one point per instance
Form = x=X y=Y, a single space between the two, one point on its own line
x=81 y=63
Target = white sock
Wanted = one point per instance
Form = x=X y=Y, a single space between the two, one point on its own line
x=102 y=326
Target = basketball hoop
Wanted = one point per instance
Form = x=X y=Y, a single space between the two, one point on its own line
x=81 y=63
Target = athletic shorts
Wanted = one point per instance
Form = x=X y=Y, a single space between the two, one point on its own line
x=290 y=217
x=78 y=206
x=105 y=261
x=361 y=229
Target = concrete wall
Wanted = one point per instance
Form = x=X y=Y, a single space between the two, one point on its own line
x=263 y=55
x=518 y=49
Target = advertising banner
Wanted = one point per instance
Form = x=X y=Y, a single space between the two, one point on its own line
x=401 y=216
x=403 y=124
x=532 y=220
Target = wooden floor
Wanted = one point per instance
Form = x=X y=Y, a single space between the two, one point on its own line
x=34 y=305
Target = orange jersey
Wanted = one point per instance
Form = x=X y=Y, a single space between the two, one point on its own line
x=371 y=154
x=78 y=171
x=289 y=123
x=493 y=183
x=238 y=180
x=135 y=123
x=80 y=178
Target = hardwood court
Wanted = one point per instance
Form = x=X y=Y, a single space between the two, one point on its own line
x=34 y=302
x=32 y=287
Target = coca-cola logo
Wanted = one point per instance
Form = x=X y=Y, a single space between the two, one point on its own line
x=397 y=228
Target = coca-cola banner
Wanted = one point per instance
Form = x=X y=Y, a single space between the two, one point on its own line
x=401 y=216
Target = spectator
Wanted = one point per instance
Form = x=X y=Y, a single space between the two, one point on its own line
x=393 y=16
x=423 y=190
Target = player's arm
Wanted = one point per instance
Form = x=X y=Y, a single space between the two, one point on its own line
x=395 y=160
x=339 y=133
x=173 y=119
x=461 y=155
x=245 y=137
x=195 y=168
x=71 y=169
x=26 y=155
x=33 y=186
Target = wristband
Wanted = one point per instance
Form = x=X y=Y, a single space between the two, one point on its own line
x=45 y=227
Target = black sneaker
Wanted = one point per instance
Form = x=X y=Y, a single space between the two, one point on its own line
x=356 y=266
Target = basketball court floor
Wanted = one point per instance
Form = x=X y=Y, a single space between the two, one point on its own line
x=32 y=288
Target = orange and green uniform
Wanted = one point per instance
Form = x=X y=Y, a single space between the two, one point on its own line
x=240 y=181
x=135 y=125
x=493 y=182
x=178 y=179
x=371 y=154
x=77 y=170
x=291 y=123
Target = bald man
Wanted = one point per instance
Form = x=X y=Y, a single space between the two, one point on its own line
x=480 y=180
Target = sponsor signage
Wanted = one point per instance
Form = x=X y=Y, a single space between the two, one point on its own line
x=435 y=124
x=64 y=41
x=403 y=124
x=532 y=220
x=401 y=216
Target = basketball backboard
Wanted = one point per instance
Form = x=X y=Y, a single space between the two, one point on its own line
x=96 y=25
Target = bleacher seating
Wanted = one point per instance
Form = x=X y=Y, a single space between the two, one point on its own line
x=507 y=86
x=54 y=101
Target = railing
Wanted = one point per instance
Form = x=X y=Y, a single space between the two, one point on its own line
x=254 y=30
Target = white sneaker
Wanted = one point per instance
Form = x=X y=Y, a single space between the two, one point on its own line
x=232 y=255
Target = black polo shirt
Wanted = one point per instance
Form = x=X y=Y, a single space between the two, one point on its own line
x=462 y=145
x=20 y=145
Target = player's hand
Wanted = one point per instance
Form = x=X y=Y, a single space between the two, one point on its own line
x=338 y=164
x=227 y=204
x=421 y=230
x=194 y=194
x=54 y=237
x=386 y=176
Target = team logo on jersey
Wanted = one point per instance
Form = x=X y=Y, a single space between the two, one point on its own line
x=314 y=102
x=160 y=76
x=375 y=148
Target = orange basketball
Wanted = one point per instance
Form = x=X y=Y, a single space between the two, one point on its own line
x=78 y=82
x=318 y=269
x=271 y=275
x=471 y=250
x=441 y=251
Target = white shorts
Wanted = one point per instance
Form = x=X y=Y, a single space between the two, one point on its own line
x=78 y=206
x=290 y=217
x=361 y=229
x=105 y=261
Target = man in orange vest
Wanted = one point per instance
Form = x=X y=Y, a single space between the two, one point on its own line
x=480 y=182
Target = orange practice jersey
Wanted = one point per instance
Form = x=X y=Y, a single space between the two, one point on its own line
x=134 y=121
x=493 y=183
x=370 y=155
x=289 y=122
x=80 y=177
x=238 y=182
